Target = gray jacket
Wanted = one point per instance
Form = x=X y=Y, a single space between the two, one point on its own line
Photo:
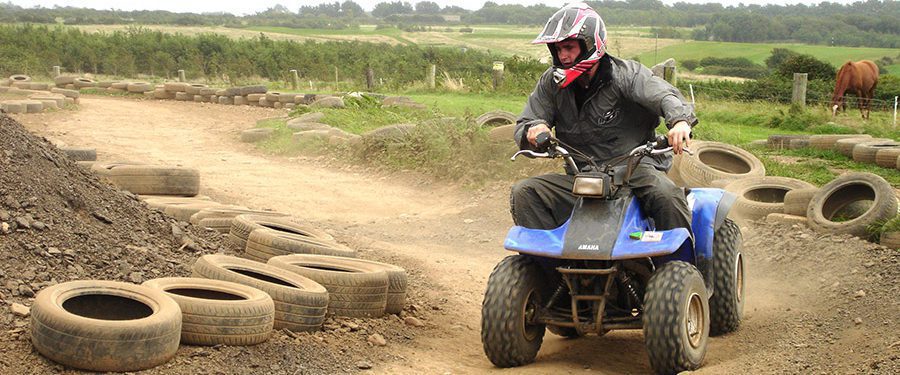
x=618 y=117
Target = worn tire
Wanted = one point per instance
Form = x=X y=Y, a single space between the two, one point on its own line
x=845 y=146
x=786 y=219
x=714 y=160
x=183 y=212
x=866 y=152
x=496 y=118
x=256 y=134
x=798 y=143
x=139 y=87
x=80 y=154
x=887 y=158
x=229 y=213
x=515 y=284
x=760 y=196
x=216 y=312
x=105 y=325
x=151 y=179
x=300 y=303
x=266 y=243
x=242 y=225
x=827 y=141
x=726 y=306
x=890 y=240
x=670 y=292
x=781 y=141
x=846 y=190
x=218 y=224
x=397 y=284
x=355 y=289
x=796 y=202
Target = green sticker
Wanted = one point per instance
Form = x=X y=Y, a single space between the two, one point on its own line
x=636 y=235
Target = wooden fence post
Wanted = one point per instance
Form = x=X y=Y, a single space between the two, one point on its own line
x=181 y=75
x=370 y=79
x=295 y=79
x=498 y=74
x=430 y=72
x=669 y=74
x=798 y=96
x=56 y=71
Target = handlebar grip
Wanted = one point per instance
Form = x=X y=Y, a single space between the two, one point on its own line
x=543 y=140
x=661 y=142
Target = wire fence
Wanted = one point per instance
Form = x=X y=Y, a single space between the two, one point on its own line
x=817 y=99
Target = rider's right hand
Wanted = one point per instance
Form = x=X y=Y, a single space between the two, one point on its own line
x=533 y=132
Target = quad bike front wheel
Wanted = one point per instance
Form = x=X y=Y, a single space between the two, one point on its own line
x=509 y=333
x=676 y=318
x=726 y=306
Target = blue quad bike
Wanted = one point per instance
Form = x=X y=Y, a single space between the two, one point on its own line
x=607 y=268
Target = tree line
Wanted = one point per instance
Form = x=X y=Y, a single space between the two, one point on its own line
x=872 y=23
x=34 y=49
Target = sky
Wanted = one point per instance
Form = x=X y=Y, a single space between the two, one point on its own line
x=242 y=7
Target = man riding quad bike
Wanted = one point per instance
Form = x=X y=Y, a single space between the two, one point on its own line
x=613 y=243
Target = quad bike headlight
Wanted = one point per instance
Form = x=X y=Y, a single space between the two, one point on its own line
x=591 y=186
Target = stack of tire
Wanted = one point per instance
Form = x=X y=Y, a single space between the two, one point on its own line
x=862 y=148
x=102 y=325
x=314 y=254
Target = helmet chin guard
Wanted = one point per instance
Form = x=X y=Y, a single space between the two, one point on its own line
x=575 y=21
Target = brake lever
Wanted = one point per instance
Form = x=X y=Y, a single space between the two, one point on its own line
x=529 y=154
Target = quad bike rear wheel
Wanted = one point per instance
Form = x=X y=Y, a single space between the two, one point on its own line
x=676 y=318
x=726 y=306
x=509 y=332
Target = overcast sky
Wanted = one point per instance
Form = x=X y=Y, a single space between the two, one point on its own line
x=241 y=7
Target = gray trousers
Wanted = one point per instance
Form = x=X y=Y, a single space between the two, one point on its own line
x=546 y=202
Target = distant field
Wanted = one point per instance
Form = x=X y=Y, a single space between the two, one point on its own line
x=507 y=40
x=757 y=52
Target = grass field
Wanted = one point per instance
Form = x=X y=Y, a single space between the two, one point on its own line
x=758 y=52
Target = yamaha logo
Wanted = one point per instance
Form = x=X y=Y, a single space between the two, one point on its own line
x=588 y=247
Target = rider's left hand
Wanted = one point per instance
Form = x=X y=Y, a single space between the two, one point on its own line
x=679 y=136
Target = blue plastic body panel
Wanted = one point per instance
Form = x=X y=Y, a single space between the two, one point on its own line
x=673 y=245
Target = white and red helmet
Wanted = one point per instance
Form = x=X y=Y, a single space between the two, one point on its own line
x=579 y=22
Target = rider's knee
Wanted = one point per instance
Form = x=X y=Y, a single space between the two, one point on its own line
x=522 y=188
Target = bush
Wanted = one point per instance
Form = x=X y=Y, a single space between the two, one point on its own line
x=817 y=69
x=778 y=57
x=466 y=30
x=736 y=71
x=690 y=64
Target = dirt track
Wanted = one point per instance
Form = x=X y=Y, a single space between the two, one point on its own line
x=796 y=318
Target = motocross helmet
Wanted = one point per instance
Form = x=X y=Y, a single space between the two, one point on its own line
x=574 y=21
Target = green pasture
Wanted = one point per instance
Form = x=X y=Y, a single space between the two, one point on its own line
x=758 y=52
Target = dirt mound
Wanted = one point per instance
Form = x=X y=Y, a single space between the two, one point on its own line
x=58 y=223
x=838 y=310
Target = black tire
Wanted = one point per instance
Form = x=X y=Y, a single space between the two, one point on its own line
x=217 y=224
x=726 y=306
x=846 y=145
x=183 y=212
x=355 y=289
x=846 y=190
x=676 y=318
x=105 y=325
x=219 y=312
x=516 y=284
x=300 y=303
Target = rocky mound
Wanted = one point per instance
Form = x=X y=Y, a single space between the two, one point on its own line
x=58 y=222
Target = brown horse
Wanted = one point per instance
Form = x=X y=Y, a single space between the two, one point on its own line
x=857 y=77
